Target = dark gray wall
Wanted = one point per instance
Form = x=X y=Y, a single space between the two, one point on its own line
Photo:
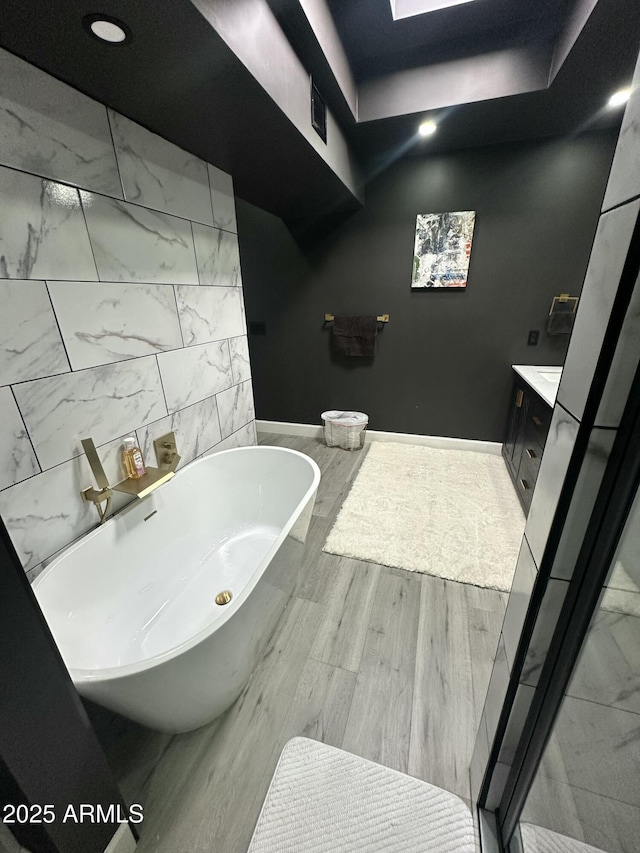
x=442 y=365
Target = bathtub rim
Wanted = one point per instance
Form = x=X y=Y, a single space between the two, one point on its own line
x=87 y=676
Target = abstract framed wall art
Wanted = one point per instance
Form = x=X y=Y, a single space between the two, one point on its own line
x=442 y=250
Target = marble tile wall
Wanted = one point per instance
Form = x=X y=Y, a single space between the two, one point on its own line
x=602 y=703
x=122 y=304
x=49 y=129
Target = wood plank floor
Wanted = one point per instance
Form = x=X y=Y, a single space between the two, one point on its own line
x=390 y=665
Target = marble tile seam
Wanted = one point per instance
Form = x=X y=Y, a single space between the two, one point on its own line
x=106 y=364
x=50 y=126
x=235 y=432
x=610 y=705
x=129 y=358
x=220 y=423
x=164 y=394
x=121 y=282
x=109 y=324
x=240 y=358
x=209 y=313
x=57 y=321
x=250 y=422
x=161 y=172
x=102 y=444
x=70 y=459
x=209 y=449
x=620 y=204
x=195 y=252
x=49 y=376
x=568 y=411
x=595 y=425
x=93 y=253
x=175 y=299
x=132 y=242
x=43 y=229
x=18 y=462
x=197 y=430
x=576 y=787
x=152 y=209
x=199 y=344
x=235 y=403
x=123 y=361
x=527 y=543
x=115 y=152
x=122 y=200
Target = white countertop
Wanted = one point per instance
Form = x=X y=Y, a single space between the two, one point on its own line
x=543 y=380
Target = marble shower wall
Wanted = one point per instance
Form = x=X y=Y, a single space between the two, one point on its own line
x=122 y=304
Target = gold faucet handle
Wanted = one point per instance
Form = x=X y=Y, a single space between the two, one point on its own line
x=96 y=497
x=96 y=465
x=166 y=451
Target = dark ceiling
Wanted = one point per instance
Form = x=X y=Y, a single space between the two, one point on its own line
x=180 y=79
x=376 y=44
x=600 y=63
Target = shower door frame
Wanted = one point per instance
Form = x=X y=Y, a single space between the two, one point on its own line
x=620 y=485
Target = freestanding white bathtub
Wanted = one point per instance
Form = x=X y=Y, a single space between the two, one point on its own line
x=132 y=604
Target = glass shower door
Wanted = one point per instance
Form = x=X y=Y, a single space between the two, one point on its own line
x=586 y=792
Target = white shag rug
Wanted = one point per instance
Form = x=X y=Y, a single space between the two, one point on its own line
x=324 y=800
x=449 y=513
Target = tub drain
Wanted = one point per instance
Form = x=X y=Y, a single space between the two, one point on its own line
x=224 y=597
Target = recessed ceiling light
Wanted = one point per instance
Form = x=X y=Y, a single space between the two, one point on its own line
x=408 y=8
x=427 y=128
x=620 y=98
x=107 y=29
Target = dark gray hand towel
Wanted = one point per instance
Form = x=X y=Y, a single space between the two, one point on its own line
x=354 y=336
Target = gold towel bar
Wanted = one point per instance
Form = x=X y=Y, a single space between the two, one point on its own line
x=564 y=298
x=381 y=318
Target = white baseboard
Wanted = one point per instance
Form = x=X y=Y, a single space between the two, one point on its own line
x=491 y=447
x=285 y=428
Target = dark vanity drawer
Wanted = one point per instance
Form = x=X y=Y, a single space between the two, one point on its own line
x=532 y=447
x=538 y=420
x=525 y=436
x=526 y=480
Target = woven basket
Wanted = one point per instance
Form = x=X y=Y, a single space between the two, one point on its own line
x=345 y=429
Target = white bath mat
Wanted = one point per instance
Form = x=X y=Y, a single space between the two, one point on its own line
x=324 y=800
x=449 y=513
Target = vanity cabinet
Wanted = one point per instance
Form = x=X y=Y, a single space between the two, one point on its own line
x=527 y=427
